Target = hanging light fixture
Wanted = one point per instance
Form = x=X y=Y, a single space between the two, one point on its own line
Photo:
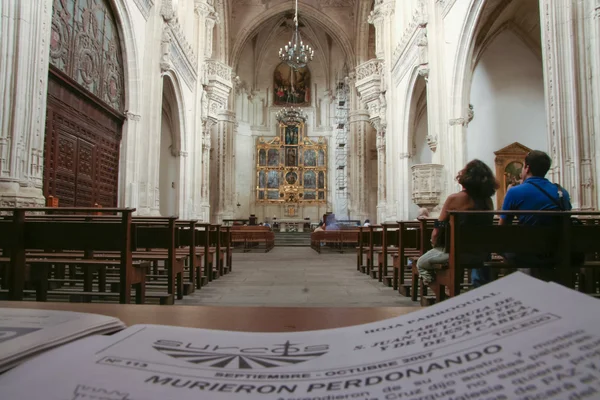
x=296 y=54
x=291 y=116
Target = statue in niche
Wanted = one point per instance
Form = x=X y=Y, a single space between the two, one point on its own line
x=291 y=86
x=291 y=159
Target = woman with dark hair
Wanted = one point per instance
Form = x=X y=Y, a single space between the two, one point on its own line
x=478 y=186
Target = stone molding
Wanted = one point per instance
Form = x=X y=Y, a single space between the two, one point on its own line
x=144 y=6
x=446 y=6
x=177 y=53
x=418 y=22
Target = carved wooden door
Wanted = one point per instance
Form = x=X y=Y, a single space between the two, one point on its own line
x=85 y=104
x=82 y=148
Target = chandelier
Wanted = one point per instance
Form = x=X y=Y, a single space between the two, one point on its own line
x=290 y=116
x=296 y=54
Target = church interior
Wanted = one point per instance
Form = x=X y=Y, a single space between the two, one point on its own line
x=284 y=153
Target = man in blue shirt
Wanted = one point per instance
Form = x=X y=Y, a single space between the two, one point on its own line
x=535 y=193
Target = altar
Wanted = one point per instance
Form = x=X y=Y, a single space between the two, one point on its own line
x=292 y=224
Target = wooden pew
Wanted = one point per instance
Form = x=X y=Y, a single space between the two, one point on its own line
x=409 y=246
x=560 y=240
x=22 y=232
x=363 y=243
x=389 y=241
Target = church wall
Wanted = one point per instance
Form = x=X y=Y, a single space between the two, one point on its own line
x=507 y=94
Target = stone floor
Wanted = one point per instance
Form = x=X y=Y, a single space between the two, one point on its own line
x=296 y=276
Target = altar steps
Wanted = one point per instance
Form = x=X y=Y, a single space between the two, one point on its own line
x=292 y=239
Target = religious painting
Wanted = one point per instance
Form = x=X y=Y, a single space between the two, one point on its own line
x=273 y=157
x=310 y=195
x=509 y=163
x=262 y=179
x=310 y=158
x=262 y=158
x=291 y=178
x=321 y=195
x=512 y=173
x=272 y=195
x=273 y=181
x=291 y=86
x=321 y=180
x=261 y=195
x=321 y=158
x=291 y=157
x=310 y=180
x=291 y=135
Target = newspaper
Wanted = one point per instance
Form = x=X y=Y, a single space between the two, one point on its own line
x=25 y=332
x=516 y=338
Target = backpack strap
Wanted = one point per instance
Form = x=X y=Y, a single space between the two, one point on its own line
x=560 y=204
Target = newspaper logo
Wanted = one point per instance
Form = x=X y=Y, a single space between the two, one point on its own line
x=234 y=357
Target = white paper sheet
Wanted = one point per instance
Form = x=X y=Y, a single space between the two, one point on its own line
x=24 y=332
x=517 y=338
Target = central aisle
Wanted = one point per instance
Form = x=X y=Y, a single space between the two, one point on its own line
x=296 y=276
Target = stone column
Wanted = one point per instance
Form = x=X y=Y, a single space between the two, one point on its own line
x=206 y=18
x=358 y=161
x=382 y=18
x=381 y=173
x=223 y=177
x=24 y=53
x=568 y=97
x=218 y=77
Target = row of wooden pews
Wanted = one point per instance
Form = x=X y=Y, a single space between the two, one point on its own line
x=249 y=238
x=83 y=255
x=336 y=240
x=399 y=246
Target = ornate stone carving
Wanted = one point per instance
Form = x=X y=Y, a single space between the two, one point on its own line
x=217 y=77
x=132 y=116
x=464 y=121
x=177 y=53
x=446 y=6
x=432 y=142
x=427 y=185
x=144 y=6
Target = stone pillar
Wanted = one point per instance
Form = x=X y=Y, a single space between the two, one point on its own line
x=382 y=18
x=24 y=52
x=568 y=97
x=223 y=176
x=206 y=18
x=359 y=164
x=381 y=173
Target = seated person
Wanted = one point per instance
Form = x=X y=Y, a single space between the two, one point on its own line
x=478 y=186
x=367 y=223
x=535 y=193
x=320 y=227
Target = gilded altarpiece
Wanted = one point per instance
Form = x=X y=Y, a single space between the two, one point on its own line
x=291 y=168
